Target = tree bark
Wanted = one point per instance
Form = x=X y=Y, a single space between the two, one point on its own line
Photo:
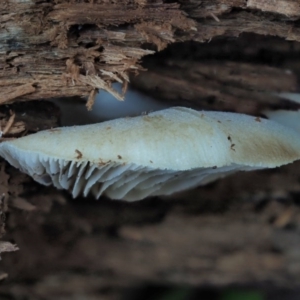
x=245 y=75
x=65 y=48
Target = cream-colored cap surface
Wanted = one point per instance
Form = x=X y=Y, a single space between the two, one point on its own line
x=176 y=138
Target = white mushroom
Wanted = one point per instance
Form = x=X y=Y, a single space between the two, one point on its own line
x=156 y=154
x=289 y=118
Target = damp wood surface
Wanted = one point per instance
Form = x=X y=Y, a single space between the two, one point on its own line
x=243 y=230
x=243 y=75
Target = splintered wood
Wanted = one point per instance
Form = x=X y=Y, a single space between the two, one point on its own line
x=56 y=50
x=289 y=8
x=106 y=42
x=21 y=118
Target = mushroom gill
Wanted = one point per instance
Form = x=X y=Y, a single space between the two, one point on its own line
x=156 y=154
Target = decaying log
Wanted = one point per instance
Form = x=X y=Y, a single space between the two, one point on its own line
x=216 y=85
x=241 y=230
x=243 y=75
x=61 y=48
x=65 y=48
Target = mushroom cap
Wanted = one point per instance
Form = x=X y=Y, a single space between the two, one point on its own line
x=159 y=153
x=288 y=118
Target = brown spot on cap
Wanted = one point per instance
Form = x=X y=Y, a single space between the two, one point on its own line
x=78 y=154
x=119 y=157
x=147 y=118
x=258 y=119
x=101 y=162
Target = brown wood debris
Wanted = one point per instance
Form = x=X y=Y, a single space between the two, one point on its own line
x=79 y=52
x=7 y=247
x=26 y=117
x=286 y=8
x=202 y=9
x=52 y=49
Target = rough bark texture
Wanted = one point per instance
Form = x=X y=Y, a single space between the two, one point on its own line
x=67 y=48
x=243 y=230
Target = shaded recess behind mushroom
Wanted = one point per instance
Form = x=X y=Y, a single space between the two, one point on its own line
x=156 y=154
